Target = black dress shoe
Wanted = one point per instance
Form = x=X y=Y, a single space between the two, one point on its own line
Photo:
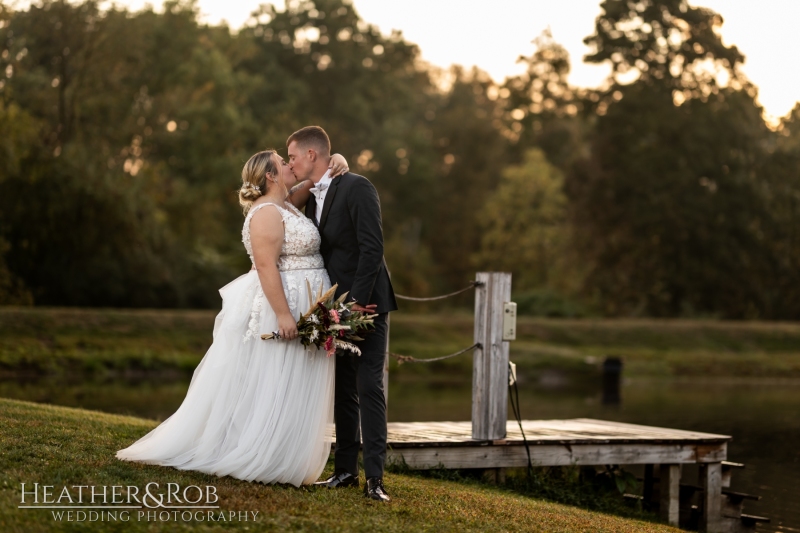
x=339 y=479
x=374 y=490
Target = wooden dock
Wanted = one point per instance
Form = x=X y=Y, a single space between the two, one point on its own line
x=492 y=443
x=581 y=441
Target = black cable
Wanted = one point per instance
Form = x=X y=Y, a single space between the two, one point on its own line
x=518 y=414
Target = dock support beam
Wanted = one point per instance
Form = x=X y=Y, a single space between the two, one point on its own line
x=669 y=491
x=490 y=361
x=711 y=480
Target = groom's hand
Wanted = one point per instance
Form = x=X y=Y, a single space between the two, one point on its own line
x=367 y=309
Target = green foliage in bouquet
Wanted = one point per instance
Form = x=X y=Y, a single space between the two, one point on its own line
x=330 y=323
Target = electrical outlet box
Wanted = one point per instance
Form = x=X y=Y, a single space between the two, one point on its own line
x=509 y=321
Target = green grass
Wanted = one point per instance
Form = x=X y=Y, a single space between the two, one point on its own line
x=64 y=446
x=37 y=341
x=101 y=342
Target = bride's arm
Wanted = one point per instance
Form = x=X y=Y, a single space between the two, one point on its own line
x=299 y=194
x=266 y=238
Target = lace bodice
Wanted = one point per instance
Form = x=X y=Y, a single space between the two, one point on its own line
x=301 y=239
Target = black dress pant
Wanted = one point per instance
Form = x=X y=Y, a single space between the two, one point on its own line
x=359 y=395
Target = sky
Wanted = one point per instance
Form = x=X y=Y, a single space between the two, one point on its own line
x=492 y=34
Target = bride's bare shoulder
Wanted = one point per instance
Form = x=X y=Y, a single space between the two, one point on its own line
x=264 y=213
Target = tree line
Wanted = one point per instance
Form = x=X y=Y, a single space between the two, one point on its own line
x=662 y=193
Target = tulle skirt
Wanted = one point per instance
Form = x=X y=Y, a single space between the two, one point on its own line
x=255 y=410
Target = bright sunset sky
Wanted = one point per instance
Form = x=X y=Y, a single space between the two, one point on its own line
x=492 y=34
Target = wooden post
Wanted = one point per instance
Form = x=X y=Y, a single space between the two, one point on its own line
x=669 y=492
x=612 y=376
x=490 y=362
x=495 y=476
x=648 y=490
x=711 y=480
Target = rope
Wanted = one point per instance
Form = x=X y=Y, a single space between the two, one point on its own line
x=409 y=359
x=472 y=285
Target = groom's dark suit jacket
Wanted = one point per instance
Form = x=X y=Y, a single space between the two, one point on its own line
x=352 y=241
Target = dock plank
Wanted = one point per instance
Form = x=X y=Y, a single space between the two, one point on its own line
x=552 y=443
x=573 y=431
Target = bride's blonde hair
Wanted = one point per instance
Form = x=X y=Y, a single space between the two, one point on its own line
x=254 y=178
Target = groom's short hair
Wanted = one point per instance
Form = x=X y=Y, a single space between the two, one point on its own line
x=311 y=137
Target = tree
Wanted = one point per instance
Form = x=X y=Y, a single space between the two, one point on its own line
x=115 y=224
x=781 y=188
x=669 y=207
x=18 y=136
x=145 y=120
x=470 y=155
x=524 y=225
x=540 y=107
x=664 y=43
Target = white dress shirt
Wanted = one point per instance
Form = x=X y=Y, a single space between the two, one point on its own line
x=325 y=181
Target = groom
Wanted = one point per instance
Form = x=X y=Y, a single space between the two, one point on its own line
x=347 y=212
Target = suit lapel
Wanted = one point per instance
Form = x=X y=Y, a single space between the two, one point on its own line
x=326 y=207
x=311 y=210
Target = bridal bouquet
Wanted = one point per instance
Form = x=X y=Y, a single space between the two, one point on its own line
x=330 y=324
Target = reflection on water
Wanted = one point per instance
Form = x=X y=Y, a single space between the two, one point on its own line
x=763 y=418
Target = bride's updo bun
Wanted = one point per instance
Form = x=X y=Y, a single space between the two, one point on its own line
x=254 y=178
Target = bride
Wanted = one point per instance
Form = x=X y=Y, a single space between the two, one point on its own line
x=258 y=410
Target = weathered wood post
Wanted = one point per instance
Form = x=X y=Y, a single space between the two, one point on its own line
x=669 y=493
x=490 y=361
x=711 y=481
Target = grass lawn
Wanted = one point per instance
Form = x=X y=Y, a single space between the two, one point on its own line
x=65 y=447
x=36 y=341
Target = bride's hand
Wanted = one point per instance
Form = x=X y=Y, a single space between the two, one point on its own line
x=338 y=165
x=287 y=327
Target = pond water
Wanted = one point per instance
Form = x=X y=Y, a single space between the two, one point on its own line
x=762 y=416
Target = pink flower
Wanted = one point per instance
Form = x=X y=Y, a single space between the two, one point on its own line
x=330 y=346
x=334 y=316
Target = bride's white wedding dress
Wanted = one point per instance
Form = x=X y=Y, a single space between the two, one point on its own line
x=255 y=410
